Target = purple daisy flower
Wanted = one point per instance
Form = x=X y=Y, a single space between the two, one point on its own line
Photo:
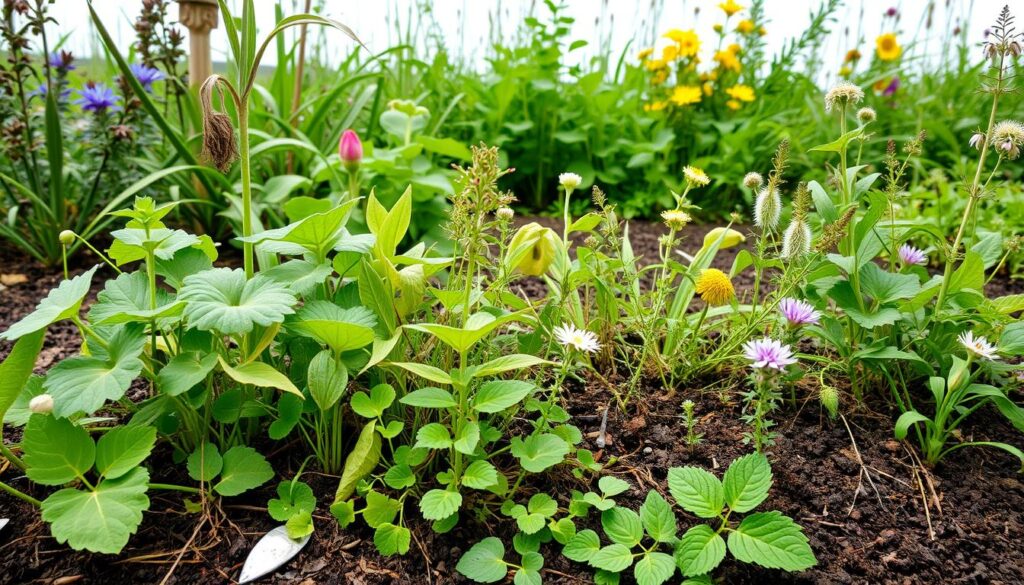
x=146 y=75
x=62 y=61
x=910 y=255
x=96 y=97
x=42 y=90
x=798 y=312
x=768 y=353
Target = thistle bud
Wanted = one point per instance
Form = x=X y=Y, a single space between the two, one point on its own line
x=42 y=404
x=796 y=241
x=505 y=214
x=67 y=237
x=350 y=149
x=866 y=115
x=767 y=209
x=753 y=180
x=977 y=140
x=828 y=396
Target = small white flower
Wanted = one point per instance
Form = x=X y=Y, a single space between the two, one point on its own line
x=569 y=181
x=505 y=213
x=979 y=346
x=42 y=404
x=844 y=93
x=695 y=177
x=580 y=339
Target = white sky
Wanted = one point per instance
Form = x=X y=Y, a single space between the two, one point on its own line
x=465 y=24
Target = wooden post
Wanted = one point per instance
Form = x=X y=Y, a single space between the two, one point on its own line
x=200 y=16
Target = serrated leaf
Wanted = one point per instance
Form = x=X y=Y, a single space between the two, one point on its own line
x=205 y=463
x=360 y=461
x=401 y=476
x=622 y=526
x=99 y=521
x=126 y=299
x=654 y=568
x=380 y=509
x=391 y=540
x=746 y=482
x=771 y=540
x=480 y=475
x=582 y=546
x=612 y=486
x=531 y=523
x=56 y=450
x=86 y=383
x=244 y=469
x=542 y=504
x=429 y=398
x=699 y=551
x=467 y=438
x=484 y=562
x=438 y=504
x=657 y=518
x=433 y=436
x=60 y=303
x=121 y=449
x=614 y=557
x=223 y=300
x=497 y=395
x=696 y=491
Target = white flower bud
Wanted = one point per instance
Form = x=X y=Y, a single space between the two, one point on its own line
x=42 y=404
x=569 y=181
x=67 y=237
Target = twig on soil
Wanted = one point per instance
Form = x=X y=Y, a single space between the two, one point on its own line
x=604 y=427
x=863 y=471
x=426 y=558
x=919 y=470
x=565 y=575
x=188 y=545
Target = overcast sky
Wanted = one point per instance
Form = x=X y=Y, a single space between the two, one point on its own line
x=465 y=24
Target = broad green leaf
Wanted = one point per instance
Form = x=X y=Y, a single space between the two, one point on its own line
x=131 y=244
x=771 y=540
x=86 y=383
x=438 y=504
x=60 y=303
x=16 y=369
x=612 y=486
x=562 y=529
x=360 y=462
x=392 y=540
x=623 y=526
x=654 y=568
x=497 y=395
x=122 y=449
x=19 y=412
x=340 y=329
x=907 y=420
x=430 y=397
x=316 y=234
x=374 y=404
x=539 y=452
x=658 y=519
x=500 y=365
x=431 y=373
x=380 y=509
x=401 y=476
x=467 y=437
x=746 y=482
x=839 y=144
x=478 y=326
x=434 y=436
x=614 y=557
x=531 y=523
x=696 y=491
x=480 y=475
x=699 y=551
x=99 y=521
x=299 y=524
x=224 y=301
x=582 y=547
x=484 y=562
x=326 y=380
x=184 y=371
x=244 y=469
x=125 y=299
x=259 y=374
x=884 y=286
x=527 y=576
x=300 y=276
x=542 y=504
x=56 y=450
x=391 y=225
x=205 y=463
x=292 y=498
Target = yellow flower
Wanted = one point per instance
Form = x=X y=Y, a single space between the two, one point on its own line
x=733 y=105
x=730 y=7
x=729 y=238
x=714 y=287
x=717 y=27
x=655 y=106
x=761 y=31
x=689 y=43
x=685 y=95
x=845 y=71
x=676 y=219
x=659 y=77
x=734 y=49
x=851 y=56
x=743 y=93
x=695 y=176
x=674 y=35
x=727 y=60
x=887 y=48
x=644 y=54
x=655 y=64
x=746 y=26
x=532 y=250
x=880 y=85
x=670 y=53
x=709 y=88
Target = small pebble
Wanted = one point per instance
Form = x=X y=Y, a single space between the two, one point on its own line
x=648 y=450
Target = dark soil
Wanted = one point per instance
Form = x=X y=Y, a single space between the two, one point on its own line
x=856 y=491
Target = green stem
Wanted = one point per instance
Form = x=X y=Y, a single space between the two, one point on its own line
x=20 y=494
x=243 y=138
x=10 y=456
x=175 y=488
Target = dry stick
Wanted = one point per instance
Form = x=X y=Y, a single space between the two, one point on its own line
x=863 y=469
x=184 y=548
x=604 y=426
x=426 y=558
x=924 y=498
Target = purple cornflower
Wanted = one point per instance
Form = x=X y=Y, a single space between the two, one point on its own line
x=41 y=92
x=96 y=97
x=799 y=312
x=910 y=255
x=768 y=353
x=146 y=75
x=62 y=61
x=893 y=86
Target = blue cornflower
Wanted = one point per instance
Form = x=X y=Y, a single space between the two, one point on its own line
x=97 y=98
x=61 y=61
x=146 y=75
x=41 y=92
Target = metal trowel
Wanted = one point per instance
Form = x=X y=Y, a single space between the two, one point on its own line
x=271 y=552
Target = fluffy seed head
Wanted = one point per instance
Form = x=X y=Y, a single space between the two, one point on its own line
x=569 y=181
x=1007 y=137
x=505 y=213
x=767 y=208
x=676 y=219
x=796 y=241
x=695 y=177
x=843 y=94
x=866 y=115
x=753 y=180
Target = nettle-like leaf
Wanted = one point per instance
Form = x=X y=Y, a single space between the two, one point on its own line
x=391 y=539
x=205 y=463
x=222 y=300
x=438 y=504
x=583 y=546
x=244 y=469
x=484 y=562
x=696 y=491
x=101 y=520
x=699 y=551
x=480 y=475
x=771 y=540
x=654 y=568
x=57 y=451
x=337 y=328
x=614 y=558
x=86 y=383
x=60 y=303
x=623 y=526
x=747 y=481
x=657 y=517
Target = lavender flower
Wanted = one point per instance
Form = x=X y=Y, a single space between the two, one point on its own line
x=799 y=312
x=893 y=86
x=910 y=255
x=768 y=353
x=62 y=61
x=146 y=75
x=96 y=97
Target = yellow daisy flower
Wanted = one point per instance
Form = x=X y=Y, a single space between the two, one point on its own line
x=655 y=106
x=685 y=95
x=851 y=56
x=887 y=47
x=727 y=60
x=714 y=287
x=644 y=54
x=743 y=93
x=689 y=43
x=670 y=53
x=746 y=26
x=655 y=64
x=730 y=7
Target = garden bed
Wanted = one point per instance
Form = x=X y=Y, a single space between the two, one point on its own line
x=853 y=487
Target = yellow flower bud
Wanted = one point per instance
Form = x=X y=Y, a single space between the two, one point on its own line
x=732 y=238
x=532 y=250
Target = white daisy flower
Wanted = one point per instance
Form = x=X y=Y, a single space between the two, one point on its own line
x=580 y=339
x=569 y=181
x=979 y=346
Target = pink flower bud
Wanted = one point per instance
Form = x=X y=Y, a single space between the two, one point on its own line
x=350 y=149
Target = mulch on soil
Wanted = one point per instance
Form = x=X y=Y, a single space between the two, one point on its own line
x=852 y=487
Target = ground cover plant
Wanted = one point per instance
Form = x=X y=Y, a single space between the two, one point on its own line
x=271 y=321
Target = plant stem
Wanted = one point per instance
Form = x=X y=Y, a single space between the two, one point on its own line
x=175 y=488
x=20 y=494
x=243 y=139
x=14 y=459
